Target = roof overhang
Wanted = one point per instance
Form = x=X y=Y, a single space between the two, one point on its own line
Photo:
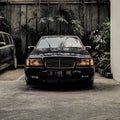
x=47 y=1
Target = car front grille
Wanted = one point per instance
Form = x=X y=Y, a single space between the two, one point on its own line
x=59 y=63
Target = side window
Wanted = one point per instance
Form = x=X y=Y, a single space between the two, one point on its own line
x=7 y=39
x=1 y=38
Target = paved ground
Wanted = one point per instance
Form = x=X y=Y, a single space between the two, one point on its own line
x=57 y=102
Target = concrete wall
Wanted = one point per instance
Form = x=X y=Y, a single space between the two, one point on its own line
x=115 y=38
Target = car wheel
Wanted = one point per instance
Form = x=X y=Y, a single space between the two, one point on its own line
x=90 y=82
x=29 y=81
x=14 y=65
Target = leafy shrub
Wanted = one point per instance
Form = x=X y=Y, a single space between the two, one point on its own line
x=101 y=45
x=4 y=25
x=63 y=17
x=74 y=24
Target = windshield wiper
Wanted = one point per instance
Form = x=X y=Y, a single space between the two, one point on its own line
x=71 y=48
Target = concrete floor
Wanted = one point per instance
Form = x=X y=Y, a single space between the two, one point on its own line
x=59 y=101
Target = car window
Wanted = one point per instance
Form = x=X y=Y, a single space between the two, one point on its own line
x=1 y=38
x=7 y=39
x=59 y=42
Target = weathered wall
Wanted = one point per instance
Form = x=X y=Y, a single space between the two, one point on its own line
x=19 y=12
x=91 y=13
x=115 y=39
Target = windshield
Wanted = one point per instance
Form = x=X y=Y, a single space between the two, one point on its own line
x=59 y=43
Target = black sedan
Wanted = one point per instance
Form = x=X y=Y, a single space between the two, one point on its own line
x=62 y=58
x=7 y=51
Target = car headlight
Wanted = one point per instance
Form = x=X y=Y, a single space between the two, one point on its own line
x=85 y=62
x=34 y=62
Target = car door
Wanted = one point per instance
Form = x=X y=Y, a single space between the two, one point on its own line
x=12 y=47
x=9 y=48
x=4 y=51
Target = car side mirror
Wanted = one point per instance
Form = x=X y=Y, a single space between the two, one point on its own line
x=30 y=48
x=2 y=44
x=88 y=47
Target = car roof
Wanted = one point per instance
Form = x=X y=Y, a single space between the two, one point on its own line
x=50 y=36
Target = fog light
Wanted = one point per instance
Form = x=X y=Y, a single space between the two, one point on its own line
x=85 y=76
x=34 y=77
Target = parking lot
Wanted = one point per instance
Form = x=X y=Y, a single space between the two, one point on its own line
x=57 y=101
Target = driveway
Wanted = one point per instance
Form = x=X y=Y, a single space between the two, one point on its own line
x=57 y=101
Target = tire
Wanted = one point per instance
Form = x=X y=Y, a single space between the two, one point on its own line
x=89 y=83
x=14 y=65
x=29 y=81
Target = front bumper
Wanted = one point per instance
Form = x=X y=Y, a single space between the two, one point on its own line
x=81 y=73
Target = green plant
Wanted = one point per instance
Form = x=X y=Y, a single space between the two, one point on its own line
x=64 y=17
x=4 y=24
x=46 y=19
x=103 y=62
x=101 y=45
x=74 y=25
x=31 y=34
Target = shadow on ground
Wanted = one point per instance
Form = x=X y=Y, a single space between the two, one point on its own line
x=71 y=86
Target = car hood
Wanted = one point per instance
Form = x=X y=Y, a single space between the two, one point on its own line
x=83 y=53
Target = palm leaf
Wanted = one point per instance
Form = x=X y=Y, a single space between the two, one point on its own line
x=62 y=19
